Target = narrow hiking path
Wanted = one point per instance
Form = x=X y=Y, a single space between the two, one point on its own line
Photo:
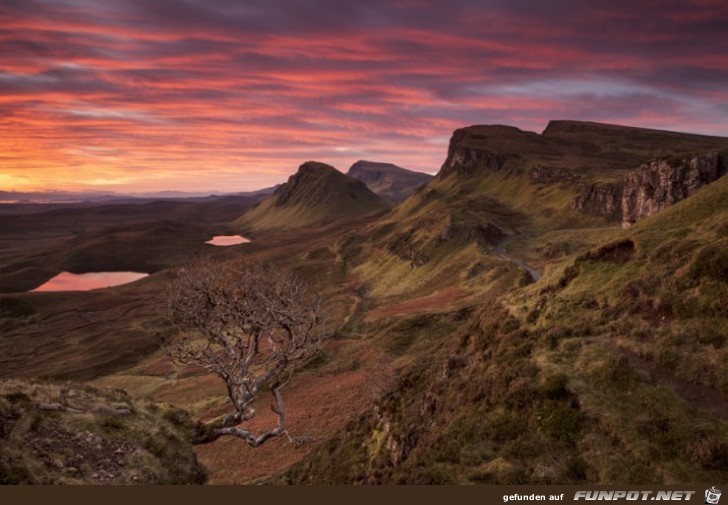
x=500 y=250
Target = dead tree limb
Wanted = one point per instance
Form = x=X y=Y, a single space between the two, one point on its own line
x=250 y=325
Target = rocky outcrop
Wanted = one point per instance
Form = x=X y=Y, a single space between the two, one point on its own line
x=599 y=160
x=463 y=156
x=600 y=200
x=547 y=174
x=462 y=160
x=651 y=188
x=664 y=182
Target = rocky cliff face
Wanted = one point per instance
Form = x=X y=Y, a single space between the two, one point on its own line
x=652 y=187
x=662 y=183
x=600 y=199
x=463 y=156
x=464 y=160
x=547 y=174
x=598 y=160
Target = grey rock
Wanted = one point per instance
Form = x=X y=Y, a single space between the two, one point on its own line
x=661 y=183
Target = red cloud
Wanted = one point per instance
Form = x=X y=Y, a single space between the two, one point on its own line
x=148 y=96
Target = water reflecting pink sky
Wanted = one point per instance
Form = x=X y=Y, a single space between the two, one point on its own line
x=225 y=240
x=66 y=281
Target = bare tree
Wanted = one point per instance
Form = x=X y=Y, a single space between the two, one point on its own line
x=250 y=325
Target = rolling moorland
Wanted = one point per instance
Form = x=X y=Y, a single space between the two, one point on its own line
x=550 y=308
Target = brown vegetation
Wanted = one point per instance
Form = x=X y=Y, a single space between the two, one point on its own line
x=64 y=433
x=445 y=366
x=251 y=326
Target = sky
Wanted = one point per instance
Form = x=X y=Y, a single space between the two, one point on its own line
x=233 y=95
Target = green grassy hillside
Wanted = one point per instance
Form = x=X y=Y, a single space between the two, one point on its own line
x=499 y=181
x=447 y=362
x=317 y=194
x=611 y=369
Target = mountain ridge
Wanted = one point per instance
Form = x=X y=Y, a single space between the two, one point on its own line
x=393 y=183
x=316 y=194
x=609 y=369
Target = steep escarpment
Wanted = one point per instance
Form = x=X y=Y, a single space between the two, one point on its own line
x=316 y=194
x=393 y=183
x=664 y=182
x=613 y=172
x=584 y=149
x=611 y=369
x=527 y=173
x=652 y=187
x=491 y=147
x=463 y=158
x=600 y=199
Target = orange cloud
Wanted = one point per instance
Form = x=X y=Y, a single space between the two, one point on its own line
x=139 y=96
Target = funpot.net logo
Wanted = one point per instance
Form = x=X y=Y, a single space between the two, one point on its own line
x=712 y=496
x=671 y=495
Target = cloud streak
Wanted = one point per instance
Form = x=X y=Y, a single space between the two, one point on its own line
x=149 y=95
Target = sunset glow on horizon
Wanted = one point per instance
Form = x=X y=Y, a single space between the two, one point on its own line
x=222 y=95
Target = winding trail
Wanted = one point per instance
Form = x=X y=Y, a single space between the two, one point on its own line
x=698 y=396
x=500 y=250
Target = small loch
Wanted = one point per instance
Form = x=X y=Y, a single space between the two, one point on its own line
x=66 y=281
x=226 y=240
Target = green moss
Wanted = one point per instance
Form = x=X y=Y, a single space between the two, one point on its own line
x=711 y=261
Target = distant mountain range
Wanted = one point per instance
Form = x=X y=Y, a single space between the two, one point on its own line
x=394 y=184
x=104 y=197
